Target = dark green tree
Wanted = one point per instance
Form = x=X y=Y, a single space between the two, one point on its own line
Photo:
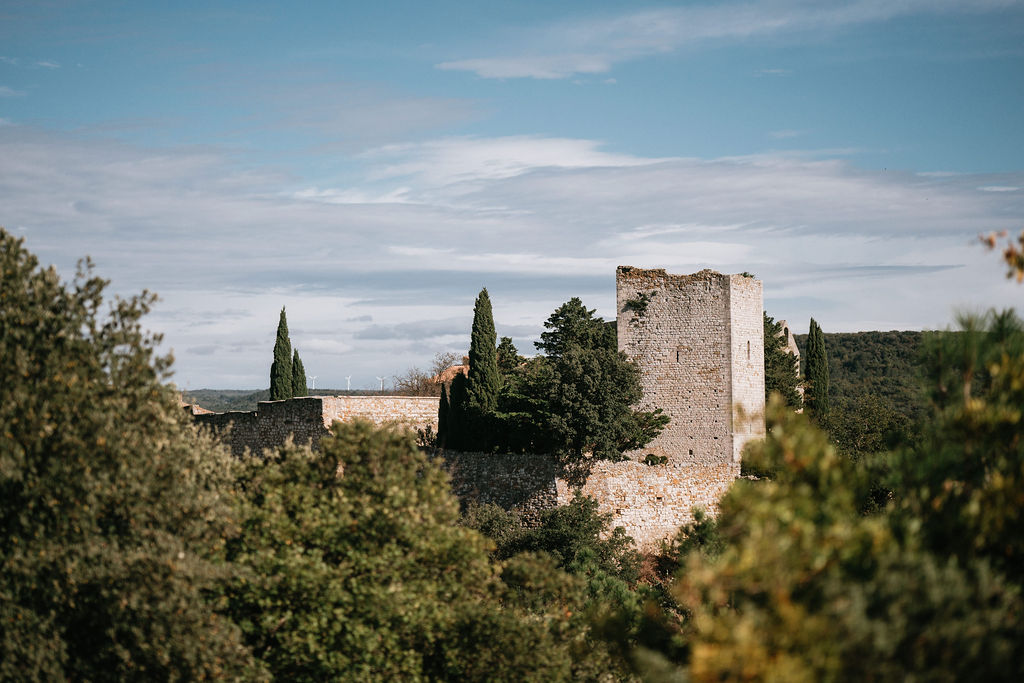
x=443 y=410
x=484 y=380
x=508 y=357
x=816 y=364
x=299 y=387
x=458 y=414
x=592 y=388
x=112 y=522
x=281 y=368
x=781 y=368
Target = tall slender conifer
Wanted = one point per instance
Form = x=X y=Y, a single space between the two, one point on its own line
x=299 y=387
x=816 y=395
x=484 y=379
x=281 y=368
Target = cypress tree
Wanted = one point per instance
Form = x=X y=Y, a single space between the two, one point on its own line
x=458 y=413
x=484 y=380
x=442 y=418
x=816 y=396
x=281 y=368
x=299 y=387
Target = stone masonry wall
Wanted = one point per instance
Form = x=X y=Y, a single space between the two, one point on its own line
x=652 y=502
x=746 y=331
x=307 y=420
x=649 y=502
x=682 y=344
x=523 y=483
x=418 y=412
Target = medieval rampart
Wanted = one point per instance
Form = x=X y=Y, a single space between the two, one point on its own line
x=698 y=341
x=306 y=420
x=649 y=502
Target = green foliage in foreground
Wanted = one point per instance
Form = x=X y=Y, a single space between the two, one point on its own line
x=807 y=587
x=368 y=576
x=111 y=526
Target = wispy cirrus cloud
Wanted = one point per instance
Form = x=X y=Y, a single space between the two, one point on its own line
x=590 y=46
x=6 y=91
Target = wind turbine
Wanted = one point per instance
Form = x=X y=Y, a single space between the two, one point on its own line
x=381 y=384
x=348 y=383
x=312 y=382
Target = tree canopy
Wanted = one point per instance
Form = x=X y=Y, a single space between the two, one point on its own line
x=111 y=524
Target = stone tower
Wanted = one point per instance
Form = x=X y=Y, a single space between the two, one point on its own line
x=699 y=342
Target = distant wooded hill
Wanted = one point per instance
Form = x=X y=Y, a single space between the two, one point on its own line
x=882 y=365
x=224 y=400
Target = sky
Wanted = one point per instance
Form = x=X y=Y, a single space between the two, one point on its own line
x=371 y=166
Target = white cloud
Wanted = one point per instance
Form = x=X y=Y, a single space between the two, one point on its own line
x=589 y=46
x=536 y=220
x=998 y=188
x=47 y=64
x=784 y=134
x=6 y=91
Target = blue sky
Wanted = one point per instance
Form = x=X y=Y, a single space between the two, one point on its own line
x=372 y=165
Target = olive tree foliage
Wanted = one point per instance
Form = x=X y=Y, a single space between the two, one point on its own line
x=112 y=526
x=358 y=570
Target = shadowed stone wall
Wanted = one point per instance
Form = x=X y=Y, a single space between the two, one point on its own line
x=308 y=419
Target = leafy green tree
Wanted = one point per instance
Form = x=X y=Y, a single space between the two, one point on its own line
x=484 y=380
x=781 y=368
x=963 y=481
x=508 y=358
x=816 y=395
x=299 y=387
x=591 y=390
x=281 y=368
x=359 y=571
x=112 y=522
